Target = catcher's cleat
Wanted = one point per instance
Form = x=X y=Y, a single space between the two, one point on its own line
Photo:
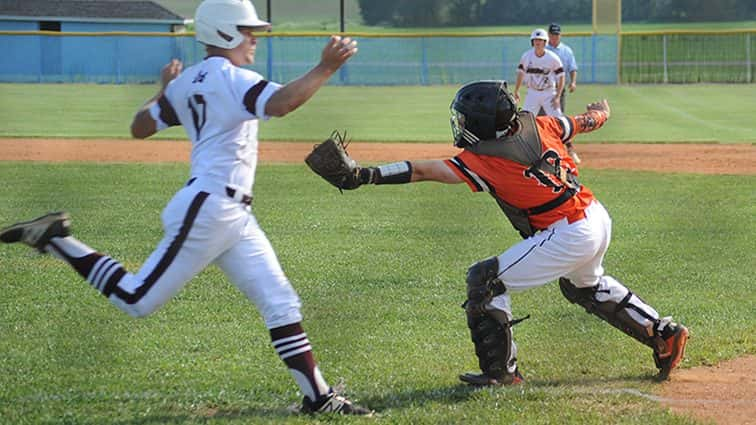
x=483 y=380
x=674 y=350
x=38 y=232
x=334 y=403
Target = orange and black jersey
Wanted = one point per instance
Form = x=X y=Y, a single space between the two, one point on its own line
x=519 y=185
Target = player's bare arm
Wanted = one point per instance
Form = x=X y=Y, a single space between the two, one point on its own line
x=560 y=87
x=573 y=81
x=331 y=161
x=291 y=96
x=433 y=170
x=518 y=83
x=407 y=172
x=143 y=126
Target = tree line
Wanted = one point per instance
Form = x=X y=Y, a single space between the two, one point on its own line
x=435 y=13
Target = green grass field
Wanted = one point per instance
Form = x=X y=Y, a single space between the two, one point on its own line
x=381 y=274
x=641 y=113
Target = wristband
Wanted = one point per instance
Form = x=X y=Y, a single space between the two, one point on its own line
x=394 y=173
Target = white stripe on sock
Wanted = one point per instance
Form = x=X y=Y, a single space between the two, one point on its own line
x=101 y=271
x=96 y=268
x=113 y=268
x=289 y=338
x=292 y=345
x=295 y=352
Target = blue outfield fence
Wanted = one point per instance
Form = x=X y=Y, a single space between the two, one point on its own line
x=119 y=58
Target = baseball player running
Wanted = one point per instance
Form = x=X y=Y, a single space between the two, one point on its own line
x=209 y=220
x=543 y=74
x=521 y=161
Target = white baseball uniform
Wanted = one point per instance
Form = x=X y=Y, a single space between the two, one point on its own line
x=206 y=222
x=540 y=74
x=209 y=220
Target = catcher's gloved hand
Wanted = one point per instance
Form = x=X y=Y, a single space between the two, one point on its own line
x=331 y=161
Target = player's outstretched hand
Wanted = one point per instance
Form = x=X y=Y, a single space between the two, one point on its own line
x=602 y=105
x=170 y=71
x=337 y=51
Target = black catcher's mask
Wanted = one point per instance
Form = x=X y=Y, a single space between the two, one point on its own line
x=482 y=110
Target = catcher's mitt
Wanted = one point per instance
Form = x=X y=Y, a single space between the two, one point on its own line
x=331 y=161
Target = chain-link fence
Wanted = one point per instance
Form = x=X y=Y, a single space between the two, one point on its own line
x=396 y=59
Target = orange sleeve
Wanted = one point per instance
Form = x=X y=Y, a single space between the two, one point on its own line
x=459 y=166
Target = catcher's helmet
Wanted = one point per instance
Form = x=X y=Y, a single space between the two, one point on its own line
x=538 y=34
x=482 y=110
x=217 y=22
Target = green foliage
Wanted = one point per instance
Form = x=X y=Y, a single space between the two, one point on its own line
x=368 y=15
x=687 y=10
x=641 y=113
x=380 y=271
x=518 y=12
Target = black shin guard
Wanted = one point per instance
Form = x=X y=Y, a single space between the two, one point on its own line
x=615 y=313
x=492 y=336
x=482 y=284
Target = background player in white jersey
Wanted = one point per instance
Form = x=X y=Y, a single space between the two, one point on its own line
x=209 y=220
x=543 y=74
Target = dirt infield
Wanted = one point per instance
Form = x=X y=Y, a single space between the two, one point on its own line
x=725 y=393
x=691 y=158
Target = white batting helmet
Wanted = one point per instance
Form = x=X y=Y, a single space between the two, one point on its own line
x=539 y=34
x=217 y=22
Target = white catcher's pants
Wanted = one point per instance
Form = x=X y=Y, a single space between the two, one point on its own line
x=572 y=250
x=202 y=229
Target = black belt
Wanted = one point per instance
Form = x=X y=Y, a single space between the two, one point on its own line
x=231 y=192
x=246 y=199
x=548 y=206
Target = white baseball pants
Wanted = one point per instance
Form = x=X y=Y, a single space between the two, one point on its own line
x=572 y=250
x=535 y=99
x=203 y=229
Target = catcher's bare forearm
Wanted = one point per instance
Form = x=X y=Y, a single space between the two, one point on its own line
x=411 y=171
x=331 y=161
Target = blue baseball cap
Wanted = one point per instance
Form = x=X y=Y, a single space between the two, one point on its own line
x=554 y=28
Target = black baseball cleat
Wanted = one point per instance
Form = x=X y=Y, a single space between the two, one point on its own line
x=334 y=403
x=483 y=380
x=675 y=338
x=38 y=232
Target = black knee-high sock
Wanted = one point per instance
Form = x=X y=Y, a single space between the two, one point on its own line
x=294 y=348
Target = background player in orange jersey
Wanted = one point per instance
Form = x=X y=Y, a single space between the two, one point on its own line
x=521 y=161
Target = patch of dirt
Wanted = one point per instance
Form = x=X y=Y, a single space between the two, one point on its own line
x=687 y=158
x=725 y=393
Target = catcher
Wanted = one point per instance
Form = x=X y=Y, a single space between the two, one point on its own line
x=521 y=161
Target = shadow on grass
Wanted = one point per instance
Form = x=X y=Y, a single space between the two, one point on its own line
x=462 y=392
x=174 y=411
x=219 y=414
